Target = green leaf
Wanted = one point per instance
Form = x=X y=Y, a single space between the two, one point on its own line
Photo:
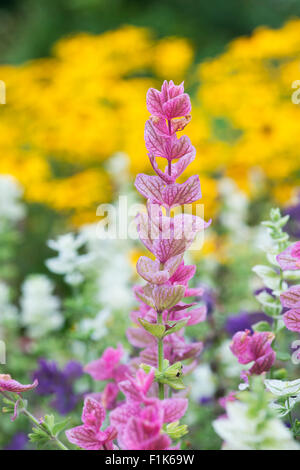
x=175 y=370
x=269 y=276
x=155 y=329
x=173 y=382
x=262 y=326
x=271 y=305
x=283 y=356
x=180 y=324
x=60 y=426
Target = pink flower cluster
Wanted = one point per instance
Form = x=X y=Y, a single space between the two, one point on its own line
x=289 y=260
x=254 y=348
x=140 y=420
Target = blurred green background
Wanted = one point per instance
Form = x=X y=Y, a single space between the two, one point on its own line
x=28 y=28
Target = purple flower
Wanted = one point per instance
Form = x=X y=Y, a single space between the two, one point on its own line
x=59 y=383
x=209 y=298
x=244 y=321
x=18 y=442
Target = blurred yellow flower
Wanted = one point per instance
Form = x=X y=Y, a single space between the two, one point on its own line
x=67 y=114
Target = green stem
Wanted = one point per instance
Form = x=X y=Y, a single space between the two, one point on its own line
x=37 y=423
x=161 y=392
x=53 y=438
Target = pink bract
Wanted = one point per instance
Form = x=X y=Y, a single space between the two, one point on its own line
x=7 y=384
x=254 y=348
x=89 y=435
x=289 y=259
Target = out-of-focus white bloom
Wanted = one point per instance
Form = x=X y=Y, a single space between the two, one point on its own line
x=8 y=312
x=235 y=208
x=114 y=270
x=95 y=326
x=118 y=167
x=69 y=262
x=240 y=430
x=40 y=309
x=11 y=209
x=203 y=383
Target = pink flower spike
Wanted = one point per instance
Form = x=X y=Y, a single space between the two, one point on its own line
x=171 y=102
x=292 y=320
x=7 y=384
x=289 y=259
x=291 y=297
x=89 y=436
x=105 y=367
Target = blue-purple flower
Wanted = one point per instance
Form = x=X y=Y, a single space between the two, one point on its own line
x=60 y=383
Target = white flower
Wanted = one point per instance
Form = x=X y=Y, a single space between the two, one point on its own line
x=40 y=309
x=203 y=384
x=11 y=209
x=288 y=390
x=96 y=326
x=240 y=430
x=69 y=262
x=113 y=269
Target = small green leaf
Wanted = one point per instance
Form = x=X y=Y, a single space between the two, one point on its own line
x=283 y=356
x=180 y=324
x=59 y=427
x=262 y=326
x=155 y=329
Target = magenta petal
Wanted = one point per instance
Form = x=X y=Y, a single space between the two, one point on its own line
x=150 y=187
x=139 y=338
x=291 y=297
x=177 y=107
x=180 y=194
x=292 y=320
x=174 y=409
x=154 y=104
x=103 y=368
x=289 y=259
x=7 y=384
x=183 y=274
x=150 y=271
x=93 y=413
x=84 y=437
x=197 y=315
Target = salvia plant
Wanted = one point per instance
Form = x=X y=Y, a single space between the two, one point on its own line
x=148 y=415
x=144 y=396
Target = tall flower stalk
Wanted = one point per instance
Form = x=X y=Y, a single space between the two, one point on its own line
x=167 y=237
